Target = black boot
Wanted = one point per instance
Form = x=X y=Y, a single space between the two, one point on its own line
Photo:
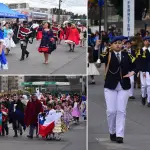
x=119 y=140
x=143 y=101
x=148 y=105
x=16 y=135
x=113 y=137
x=27 y=54
x=131 y=97
x=73 y=48
x=21 y=59
x=29 y=136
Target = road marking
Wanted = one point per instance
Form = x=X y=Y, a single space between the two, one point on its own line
x=113 y=146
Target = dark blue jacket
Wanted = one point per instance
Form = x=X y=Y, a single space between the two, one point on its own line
x=117 y=70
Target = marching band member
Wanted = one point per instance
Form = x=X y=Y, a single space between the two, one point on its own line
x=23 y=34
x=119 y=67
x=131 y=53
x=143 y=58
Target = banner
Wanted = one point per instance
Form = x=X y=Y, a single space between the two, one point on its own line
x=128 y=17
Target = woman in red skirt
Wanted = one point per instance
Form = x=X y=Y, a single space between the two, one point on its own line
x=73 y=38
x=46 y=37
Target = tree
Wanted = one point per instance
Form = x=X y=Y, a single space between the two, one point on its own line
x=140 y=5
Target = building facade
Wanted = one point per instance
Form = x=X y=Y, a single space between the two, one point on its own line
x=11 y=83
x=40 y=14
x=73 y=83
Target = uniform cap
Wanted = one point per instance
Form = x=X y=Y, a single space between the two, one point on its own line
x=117 y=38
x=146 y=38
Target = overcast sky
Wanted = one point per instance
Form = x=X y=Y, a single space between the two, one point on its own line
x=76 y=6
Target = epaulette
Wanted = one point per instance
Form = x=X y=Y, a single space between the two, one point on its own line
x=132 y=58
x=104 y=54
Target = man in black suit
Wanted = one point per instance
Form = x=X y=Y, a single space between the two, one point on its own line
x=119 y=69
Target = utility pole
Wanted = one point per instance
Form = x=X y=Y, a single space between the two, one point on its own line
x=59 y=11
x=105 y=16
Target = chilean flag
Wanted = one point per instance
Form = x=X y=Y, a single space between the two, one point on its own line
x=47 y=123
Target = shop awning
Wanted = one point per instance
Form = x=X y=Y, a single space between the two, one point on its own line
x=21 y=16
x=5 y=12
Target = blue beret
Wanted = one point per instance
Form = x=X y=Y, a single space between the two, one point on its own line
x=116 y=38
x=125 y=38
x=128 y=41
x=146 y=38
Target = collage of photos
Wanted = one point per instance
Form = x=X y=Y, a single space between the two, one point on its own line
x=43 y=74
x=74 y=74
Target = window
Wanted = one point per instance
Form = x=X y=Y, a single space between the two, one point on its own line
x=23 y=5
x=13 y=6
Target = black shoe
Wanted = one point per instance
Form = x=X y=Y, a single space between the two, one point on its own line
x=143 y=101
x=31 y=137
x=21 y=59
x=119 y=139
x=70 y=50
x=148 y=105
x=131 y=97
x=15 y=135
x=21 y=133
x=113 y=137
x=7 y=133
x=27 y=55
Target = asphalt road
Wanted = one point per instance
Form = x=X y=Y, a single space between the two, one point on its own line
x=74 y=139
x=61 y=61
x=137 y=133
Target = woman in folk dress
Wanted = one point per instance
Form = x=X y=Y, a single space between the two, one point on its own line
x=73 y=38
x=3 y=60
x=8 y=41
x=46 y=38
x=67 y=114
x=76 y=111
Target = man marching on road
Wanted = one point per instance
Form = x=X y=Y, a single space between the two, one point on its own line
x=23 y=35
x=119 y=69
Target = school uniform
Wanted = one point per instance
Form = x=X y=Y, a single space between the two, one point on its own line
x=143 y=67
x=116 y=90
x=131 y=53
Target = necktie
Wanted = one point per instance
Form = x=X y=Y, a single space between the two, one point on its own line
x=118 y=57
